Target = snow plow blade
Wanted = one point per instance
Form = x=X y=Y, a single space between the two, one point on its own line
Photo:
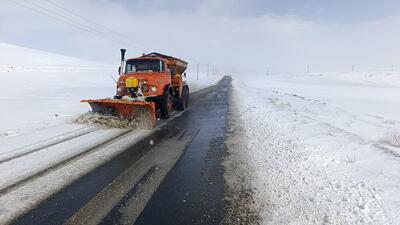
x=128 y=110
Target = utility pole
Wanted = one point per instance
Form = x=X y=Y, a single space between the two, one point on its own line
x=308 y=68
x=198 y=68
x=352 y=67
x=267 y=72
x=208 y=69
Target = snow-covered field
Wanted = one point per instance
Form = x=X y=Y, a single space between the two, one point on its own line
x=320 y=148
x=40 y=89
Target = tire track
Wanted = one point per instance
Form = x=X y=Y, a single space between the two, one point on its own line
x=87 y=151
x=26 y=150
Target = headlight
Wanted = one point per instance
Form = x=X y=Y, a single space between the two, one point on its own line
x=120 y=89
x=145 y=88
x=153 y=89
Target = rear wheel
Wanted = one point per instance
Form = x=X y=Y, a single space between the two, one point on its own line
x=187 y=99
x=183 y=102
x=166 y=104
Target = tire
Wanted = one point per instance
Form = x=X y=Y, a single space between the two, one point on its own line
x=187 y=98
x=183 y=101
x=166 y=104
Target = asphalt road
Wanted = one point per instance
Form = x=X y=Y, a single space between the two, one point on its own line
x=174 y=176
x=193 y=190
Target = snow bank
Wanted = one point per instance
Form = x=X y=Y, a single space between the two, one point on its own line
x=202 y=82
x=314 y=146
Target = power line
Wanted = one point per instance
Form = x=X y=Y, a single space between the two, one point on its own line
x=57 y=18
x=50 y=16
x=65 y=19
x=69 y=20
x=113 y=32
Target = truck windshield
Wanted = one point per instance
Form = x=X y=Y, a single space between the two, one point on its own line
x=144 y=65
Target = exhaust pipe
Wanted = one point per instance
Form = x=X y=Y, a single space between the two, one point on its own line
x=122 y=67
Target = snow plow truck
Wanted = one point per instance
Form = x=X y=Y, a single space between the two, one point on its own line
x=152 y=85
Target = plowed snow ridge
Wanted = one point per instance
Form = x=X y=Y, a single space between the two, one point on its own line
x=314 y=158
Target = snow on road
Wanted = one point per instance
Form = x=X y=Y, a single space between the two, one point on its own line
x=320 y=149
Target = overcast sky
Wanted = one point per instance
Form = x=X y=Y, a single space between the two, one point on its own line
x=248 y=35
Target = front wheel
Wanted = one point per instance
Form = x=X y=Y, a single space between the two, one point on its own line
x=167 y=104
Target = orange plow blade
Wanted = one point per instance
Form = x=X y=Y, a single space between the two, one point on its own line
x=124 y=109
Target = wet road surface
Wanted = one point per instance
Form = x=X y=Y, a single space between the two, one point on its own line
x=193 y=190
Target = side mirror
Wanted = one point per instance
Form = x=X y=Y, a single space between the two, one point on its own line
x=119 y=70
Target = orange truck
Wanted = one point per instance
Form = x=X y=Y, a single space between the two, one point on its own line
x=153 y=84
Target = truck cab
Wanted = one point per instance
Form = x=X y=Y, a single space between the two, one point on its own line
x=155 y=77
